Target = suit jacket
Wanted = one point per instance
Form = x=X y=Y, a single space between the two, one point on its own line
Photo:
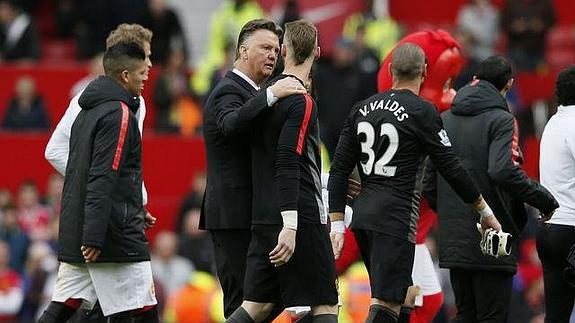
x=230 y=110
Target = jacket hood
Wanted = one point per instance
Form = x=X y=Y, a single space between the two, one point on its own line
x=477 y=98
x=104 y=89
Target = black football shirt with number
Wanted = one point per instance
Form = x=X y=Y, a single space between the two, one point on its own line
x=388 y=136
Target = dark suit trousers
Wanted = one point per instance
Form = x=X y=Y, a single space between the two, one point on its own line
x=231 y=249
x=481 y=296
x=553 y=244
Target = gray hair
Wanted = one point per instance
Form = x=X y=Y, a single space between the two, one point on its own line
x=407 y=61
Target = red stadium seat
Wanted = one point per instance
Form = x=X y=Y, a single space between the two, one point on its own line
x=560 y=50
x=561 y=36
x=58 y=51
x=560 y=58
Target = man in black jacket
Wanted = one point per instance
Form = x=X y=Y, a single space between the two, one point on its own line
x=103 y=250
x=230 y=110
x=484 y=136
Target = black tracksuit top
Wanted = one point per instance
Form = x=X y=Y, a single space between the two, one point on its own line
x=485 y=137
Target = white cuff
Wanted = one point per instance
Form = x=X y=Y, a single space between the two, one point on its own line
x=485 y=212
x=271 y=98
x=290 y=219
x=144 y=194
x=324 y=179
x=338 y=226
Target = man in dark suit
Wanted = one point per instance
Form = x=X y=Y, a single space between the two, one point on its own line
x=230 y=110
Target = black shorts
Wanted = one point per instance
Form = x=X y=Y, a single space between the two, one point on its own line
x=389 y=262
x=308 y=278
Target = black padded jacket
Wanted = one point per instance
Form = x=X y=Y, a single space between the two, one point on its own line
x=102 y=198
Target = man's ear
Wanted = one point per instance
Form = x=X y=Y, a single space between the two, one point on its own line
x=509 y=84
x=317 y=53
x=243 y=52
x=283 y=50
x=424 y=73
x=124 y=76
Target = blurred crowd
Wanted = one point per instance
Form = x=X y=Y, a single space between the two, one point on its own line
x=182 y=258
x=518 y=28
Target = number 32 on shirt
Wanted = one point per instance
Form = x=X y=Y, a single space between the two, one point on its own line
x=378 y=167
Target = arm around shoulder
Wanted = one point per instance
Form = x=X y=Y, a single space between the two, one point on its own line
x=234 y=114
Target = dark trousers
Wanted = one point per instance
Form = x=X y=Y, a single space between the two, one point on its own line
x=231 y=249
x=553 y=244
x=481 y=296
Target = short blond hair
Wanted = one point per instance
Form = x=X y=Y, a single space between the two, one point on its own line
x=301 y=38
x=129 y=33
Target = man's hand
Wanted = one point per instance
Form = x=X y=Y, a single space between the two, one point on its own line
x=489 y=222
x=149 y=220
x=337 y=241
x=353 y=189
x=287 y=86
x=337 y=233
x=285 y=247
x=487 y=219
x=90 y=253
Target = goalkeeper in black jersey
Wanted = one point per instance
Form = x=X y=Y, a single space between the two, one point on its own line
x=388 y=136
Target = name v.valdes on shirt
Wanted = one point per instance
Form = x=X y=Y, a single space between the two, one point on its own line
x=389 y=105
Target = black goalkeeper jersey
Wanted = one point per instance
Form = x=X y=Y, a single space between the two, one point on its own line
x=388 y=136
x=286 y=162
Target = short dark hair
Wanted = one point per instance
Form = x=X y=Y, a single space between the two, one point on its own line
x=122 y=56
x=496 y=70
x=254 y=25
x=301 y=38
x=565 y=86
x=407 y=62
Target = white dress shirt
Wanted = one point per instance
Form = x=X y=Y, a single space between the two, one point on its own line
x=270 y=97
x=557 y=163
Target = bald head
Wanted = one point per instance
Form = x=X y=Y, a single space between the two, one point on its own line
x=407 y=62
